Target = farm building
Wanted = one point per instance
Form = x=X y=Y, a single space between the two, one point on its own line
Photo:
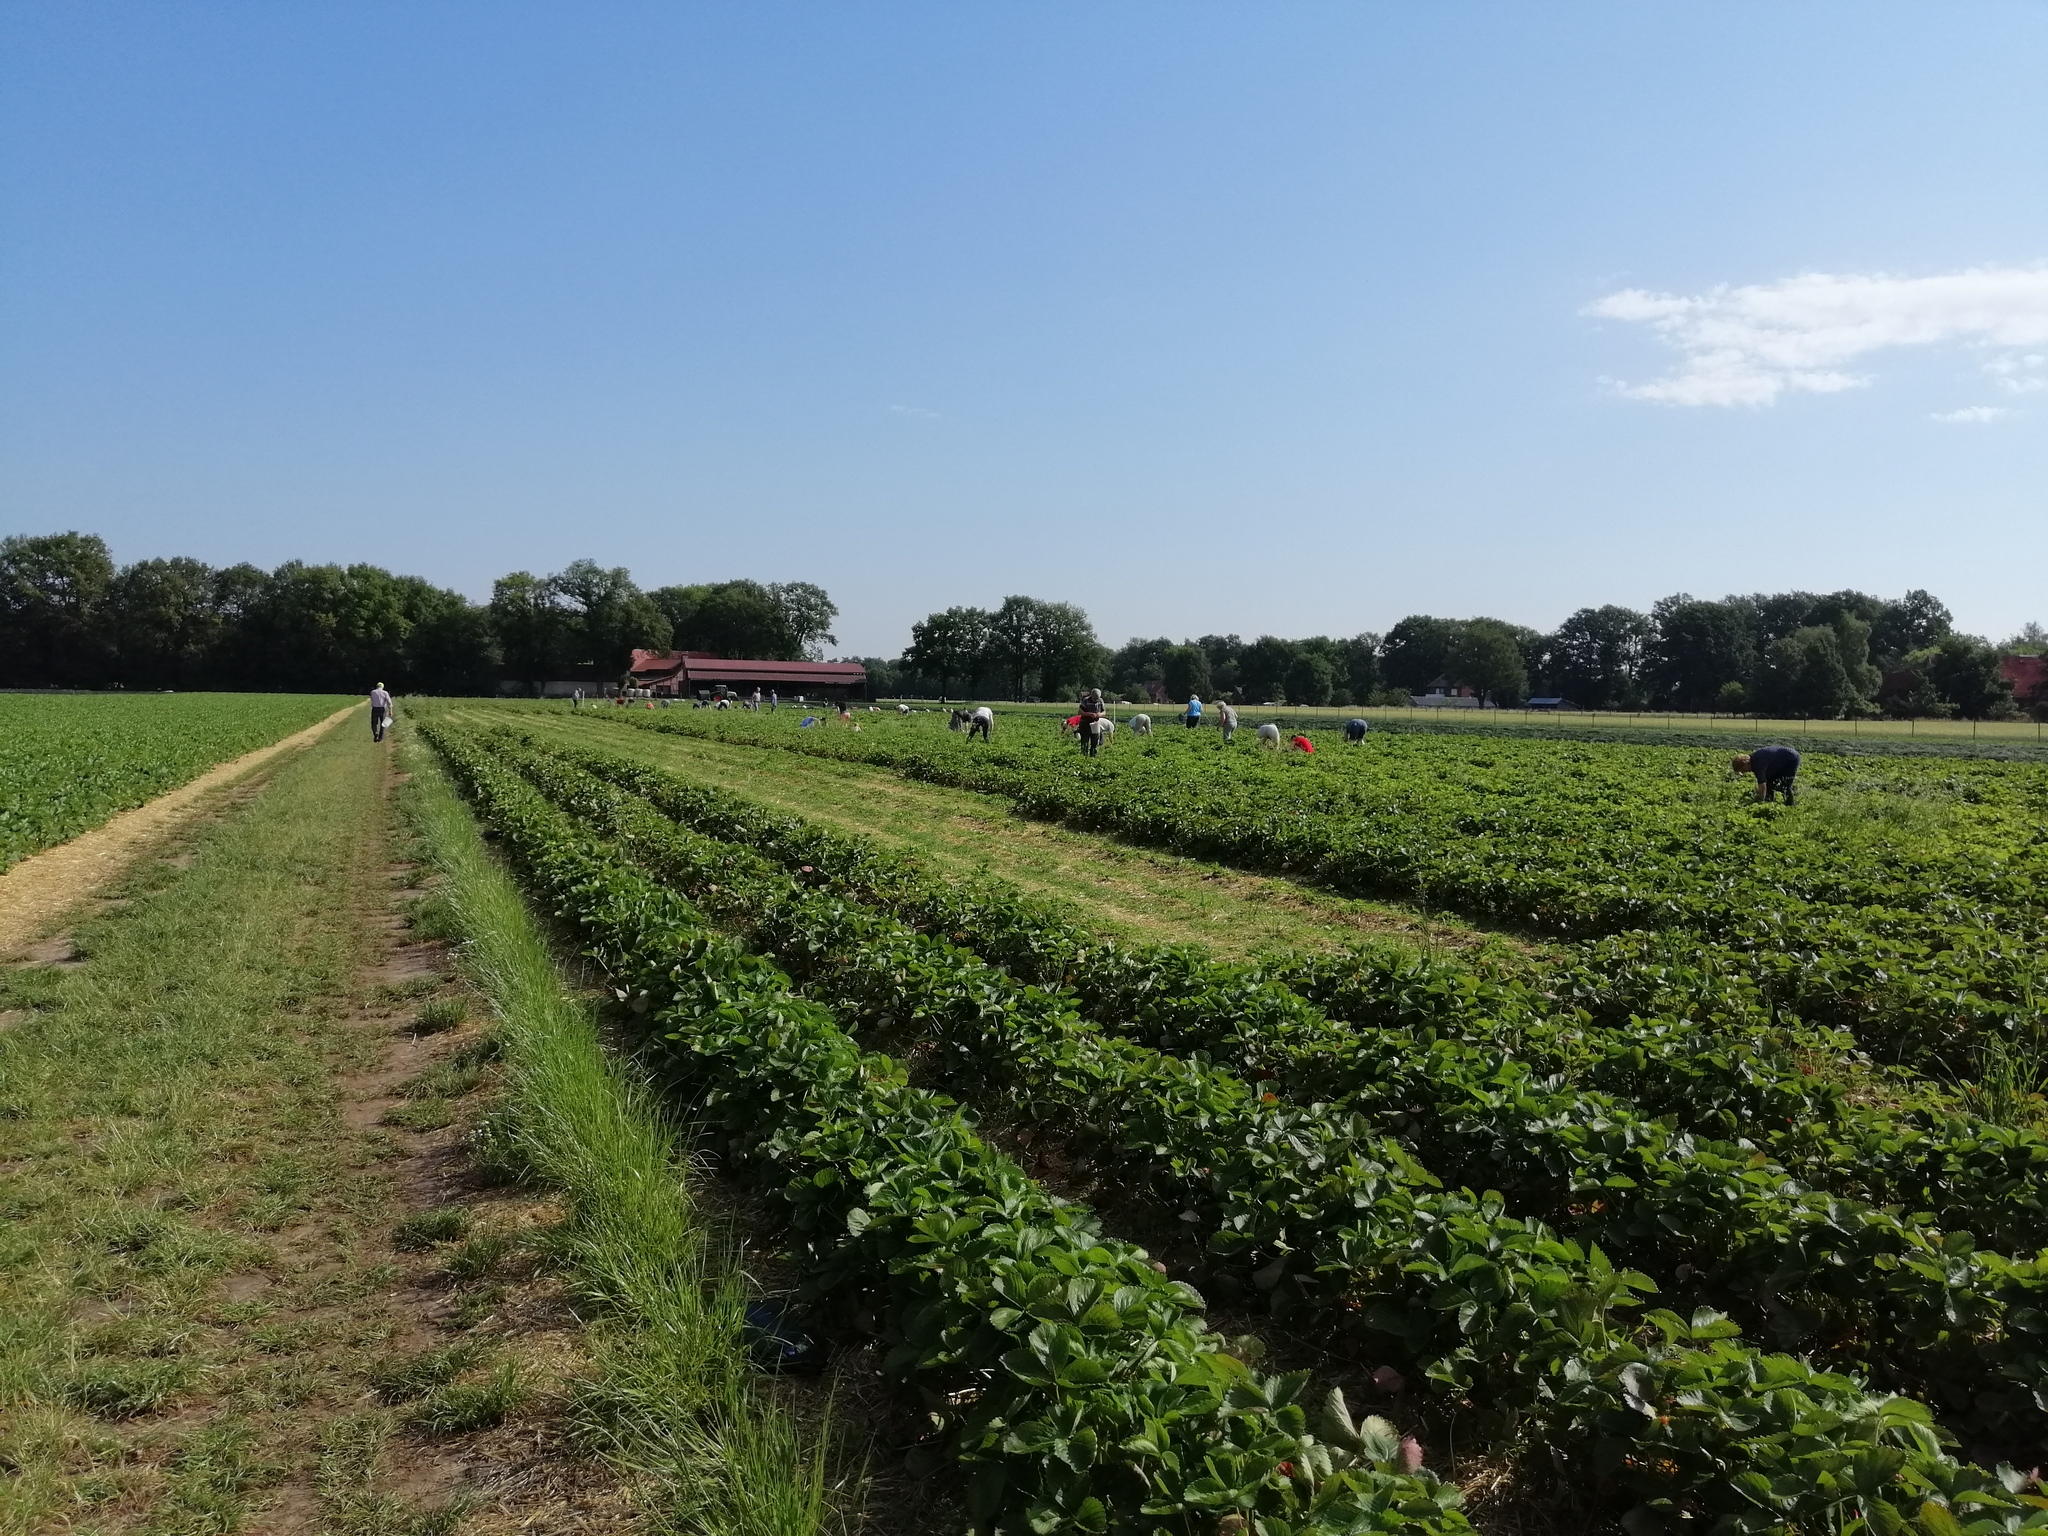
x=679 y=674
x=2028 y=676
x=1444 y=694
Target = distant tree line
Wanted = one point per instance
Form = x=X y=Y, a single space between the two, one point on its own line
x=71 y=618
x=1788 y=653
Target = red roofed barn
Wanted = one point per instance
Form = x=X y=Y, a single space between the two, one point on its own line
x=680 y=673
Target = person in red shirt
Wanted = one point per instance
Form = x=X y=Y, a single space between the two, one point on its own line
x=1304 y=744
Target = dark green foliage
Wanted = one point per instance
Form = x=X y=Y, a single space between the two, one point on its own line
x=1041 y=1043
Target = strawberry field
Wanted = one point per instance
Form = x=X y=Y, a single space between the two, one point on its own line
x=1695 y=1221
x=69 y=761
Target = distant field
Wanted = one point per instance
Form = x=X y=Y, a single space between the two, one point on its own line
x=1902 y=899
x=2017 y=740
x=69 y=761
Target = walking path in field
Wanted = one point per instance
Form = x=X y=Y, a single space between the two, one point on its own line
x=42 y=886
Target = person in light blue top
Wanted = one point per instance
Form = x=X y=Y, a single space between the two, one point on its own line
x=1194 y=711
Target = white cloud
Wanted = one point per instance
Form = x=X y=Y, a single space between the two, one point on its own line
x=1747 y=346
x=916 y=413
x=1971 y=413
x=2018 y=375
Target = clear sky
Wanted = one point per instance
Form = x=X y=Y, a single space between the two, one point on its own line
x=1209 y=317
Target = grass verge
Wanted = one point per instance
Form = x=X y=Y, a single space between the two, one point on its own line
x=675 y=1400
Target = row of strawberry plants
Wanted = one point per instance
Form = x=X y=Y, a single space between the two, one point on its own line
x=1093 y=1396
x=1496 y=1325
x=1924 y=958
x=1927 y=1309
x=1972 y=1176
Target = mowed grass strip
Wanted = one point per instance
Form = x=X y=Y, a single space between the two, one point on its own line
x=200 y=1298
x=675 y=1397
x=1134 y=893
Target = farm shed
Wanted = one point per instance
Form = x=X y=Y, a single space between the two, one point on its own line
x=679 y=674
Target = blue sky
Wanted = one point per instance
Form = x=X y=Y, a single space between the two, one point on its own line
x=1208 y=317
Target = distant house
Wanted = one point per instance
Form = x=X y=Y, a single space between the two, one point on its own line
x=1444 y=694
x=2028 y=676
x=1550 y=704
x=681 y=674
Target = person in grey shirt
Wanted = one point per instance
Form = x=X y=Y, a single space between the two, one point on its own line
x=380 y=711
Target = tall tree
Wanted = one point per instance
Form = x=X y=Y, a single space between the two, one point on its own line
x=949 y=646
x=1913 y=623
x=51 y=586
x=529 y=625
x=807 y=615
x=1964 y=672
x=606 y=617
x=1310 y=679
x=1700 y=648
x=1262 y=668
x=1185 y=672
x=1486 y=656
x=1599 y=655
x=1415 y=650
x=1803 y=674
x=163 y=623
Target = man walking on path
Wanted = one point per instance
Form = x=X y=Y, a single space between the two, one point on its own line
x=380 y=711
x=1774 y=767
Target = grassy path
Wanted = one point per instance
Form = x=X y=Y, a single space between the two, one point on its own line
x=1132 y=892
x=249 y=1279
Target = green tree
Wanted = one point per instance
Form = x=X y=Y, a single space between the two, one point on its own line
x=530 y=628
x=1310 y=678
x=1138 y=666
x=1913 y=623
x=1415 y=651
x=1599 y=656
x=2032 y=640
x=163 y=622
x=1041 y=648
x=949 y=646
x=807 y=614
x=51 y=586
x=1803 y=674
x=605 y=617
x=1699 y=649
x=740 y=619
x=1185 y=671
x=1486 y=656
x=1262 y=668
x=1964 y=672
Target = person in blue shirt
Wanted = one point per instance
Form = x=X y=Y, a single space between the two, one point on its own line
x=1774 y=767
x=1194 y=711
x=1355 y=729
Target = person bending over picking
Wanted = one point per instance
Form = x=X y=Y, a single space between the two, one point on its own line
x=1355 y=729
x=1774 y=767
x=380 y=711
x=982 y=723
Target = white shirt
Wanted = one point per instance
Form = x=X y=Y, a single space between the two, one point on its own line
x=984 y=713
x=379 y=699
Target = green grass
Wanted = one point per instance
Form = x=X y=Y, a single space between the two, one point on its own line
x=674 y=1398
x=164 y=1109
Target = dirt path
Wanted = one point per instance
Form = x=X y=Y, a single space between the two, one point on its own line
x=45 y=885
